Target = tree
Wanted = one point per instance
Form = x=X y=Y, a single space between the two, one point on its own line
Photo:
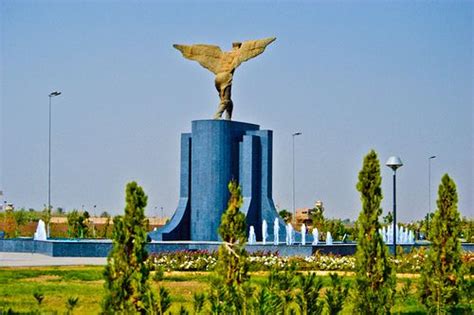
x=21 y=218
x=126 y=274
x=232 y=265
x=375 y=279
x=105 y=231
x=78 y=224
x=388 y=219
x=285 y=215
x=317 y=216
x=105 y=214
x=336 y=227
x=442 y=276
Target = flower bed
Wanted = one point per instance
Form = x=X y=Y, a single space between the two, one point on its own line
x=262 y=261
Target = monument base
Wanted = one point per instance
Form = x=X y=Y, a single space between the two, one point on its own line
x=213 y=154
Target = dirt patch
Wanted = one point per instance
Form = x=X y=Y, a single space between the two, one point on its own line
x=43 y=278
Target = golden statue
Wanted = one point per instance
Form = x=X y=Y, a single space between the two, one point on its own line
x=223 y=65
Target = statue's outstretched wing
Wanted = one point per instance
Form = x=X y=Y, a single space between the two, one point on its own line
x=208 y=56
x=253 y=48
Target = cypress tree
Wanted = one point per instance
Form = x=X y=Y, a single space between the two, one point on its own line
x=442 y=276
x=126 y=274
x=232 y=265
x=375 y=279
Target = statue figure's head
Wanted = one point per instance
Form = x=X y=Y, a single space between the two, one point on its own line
x=236 y=45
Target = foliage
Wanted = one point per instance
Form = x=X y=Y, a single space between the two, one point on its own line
x=184 y=261
x=467 y=229
x=405 y=290
x=281 y=285
x=39 y=297
x=317 y=216
x=105 y=214
x=159 y=273
x=9 y=225
x=19 y=284
x=232 y=265
x=388 y=219
x=71 y=304
x=198 y=302
x=105 y=231
x=286 y=215
x=127 y=287
x=307 y=294
x=375 y=279
x=265 y=261
x=164 y=301
x=46 y=217
x=22 y=217
x=442 y=276
x=336 y=295
x=78 y=224
x=336 y=227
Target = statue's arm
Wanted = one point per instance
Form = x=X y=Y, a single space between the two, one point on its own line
x=208 y=56
x=252 y=48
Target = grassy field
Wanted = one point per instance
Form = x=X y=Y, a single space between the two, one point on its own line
x=85 y=282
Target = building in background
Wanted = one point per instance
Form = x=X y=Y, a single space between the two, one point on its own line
x=307 y=215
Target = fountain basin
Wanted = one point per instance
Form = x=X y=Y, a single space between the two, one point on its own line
x=101 y=247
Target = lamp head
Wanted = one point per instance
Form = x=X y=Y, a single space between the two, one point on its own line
x=297 y=133
x=394 y=162
x=432 y=157
x=55 y=93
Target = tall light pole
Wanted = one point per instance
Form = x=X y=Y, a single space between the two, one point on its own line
x=429 y=192
x=394 y=162
x=293 y=137
x=51 y=95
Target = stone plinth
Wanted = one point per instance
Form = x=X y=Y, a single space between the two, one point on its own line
x=214 y=153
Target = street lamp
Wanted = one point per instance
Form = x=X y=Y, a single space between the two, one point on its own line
x=394 y=162
x=429 y=182
x=51 y=95
x=293 y=137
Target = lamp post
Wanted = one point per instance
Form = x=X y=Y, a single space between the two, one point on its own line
x=394 y=162
x=429 y=189
x=293 y=137
x=51 y=95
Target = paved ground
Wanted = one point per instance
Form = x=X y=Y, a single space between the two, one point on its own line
x=29 y=259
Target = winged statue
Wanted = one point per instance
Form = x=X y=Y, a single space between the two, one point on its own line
x=223 y=65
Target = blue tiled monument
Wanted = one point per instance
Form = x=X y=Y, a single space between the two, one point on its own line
x=214 y=153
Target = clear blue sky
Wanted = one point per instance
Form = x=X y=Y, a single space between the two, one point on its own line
x=393 y=76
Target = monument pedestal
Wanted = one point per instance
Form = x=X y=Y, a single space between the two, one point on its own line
x=214 y=153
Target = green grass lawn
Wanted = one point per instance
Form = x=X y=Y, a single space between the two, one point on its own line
x=85 y=282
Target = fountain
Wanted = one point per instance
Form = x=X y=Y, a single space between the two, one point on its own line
x=303 y=234
x=289 y=234
x=276 y=232
x=328 y=238
x=40 y=234
x=315 y=236
x=264 y=232
x=252 y=239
